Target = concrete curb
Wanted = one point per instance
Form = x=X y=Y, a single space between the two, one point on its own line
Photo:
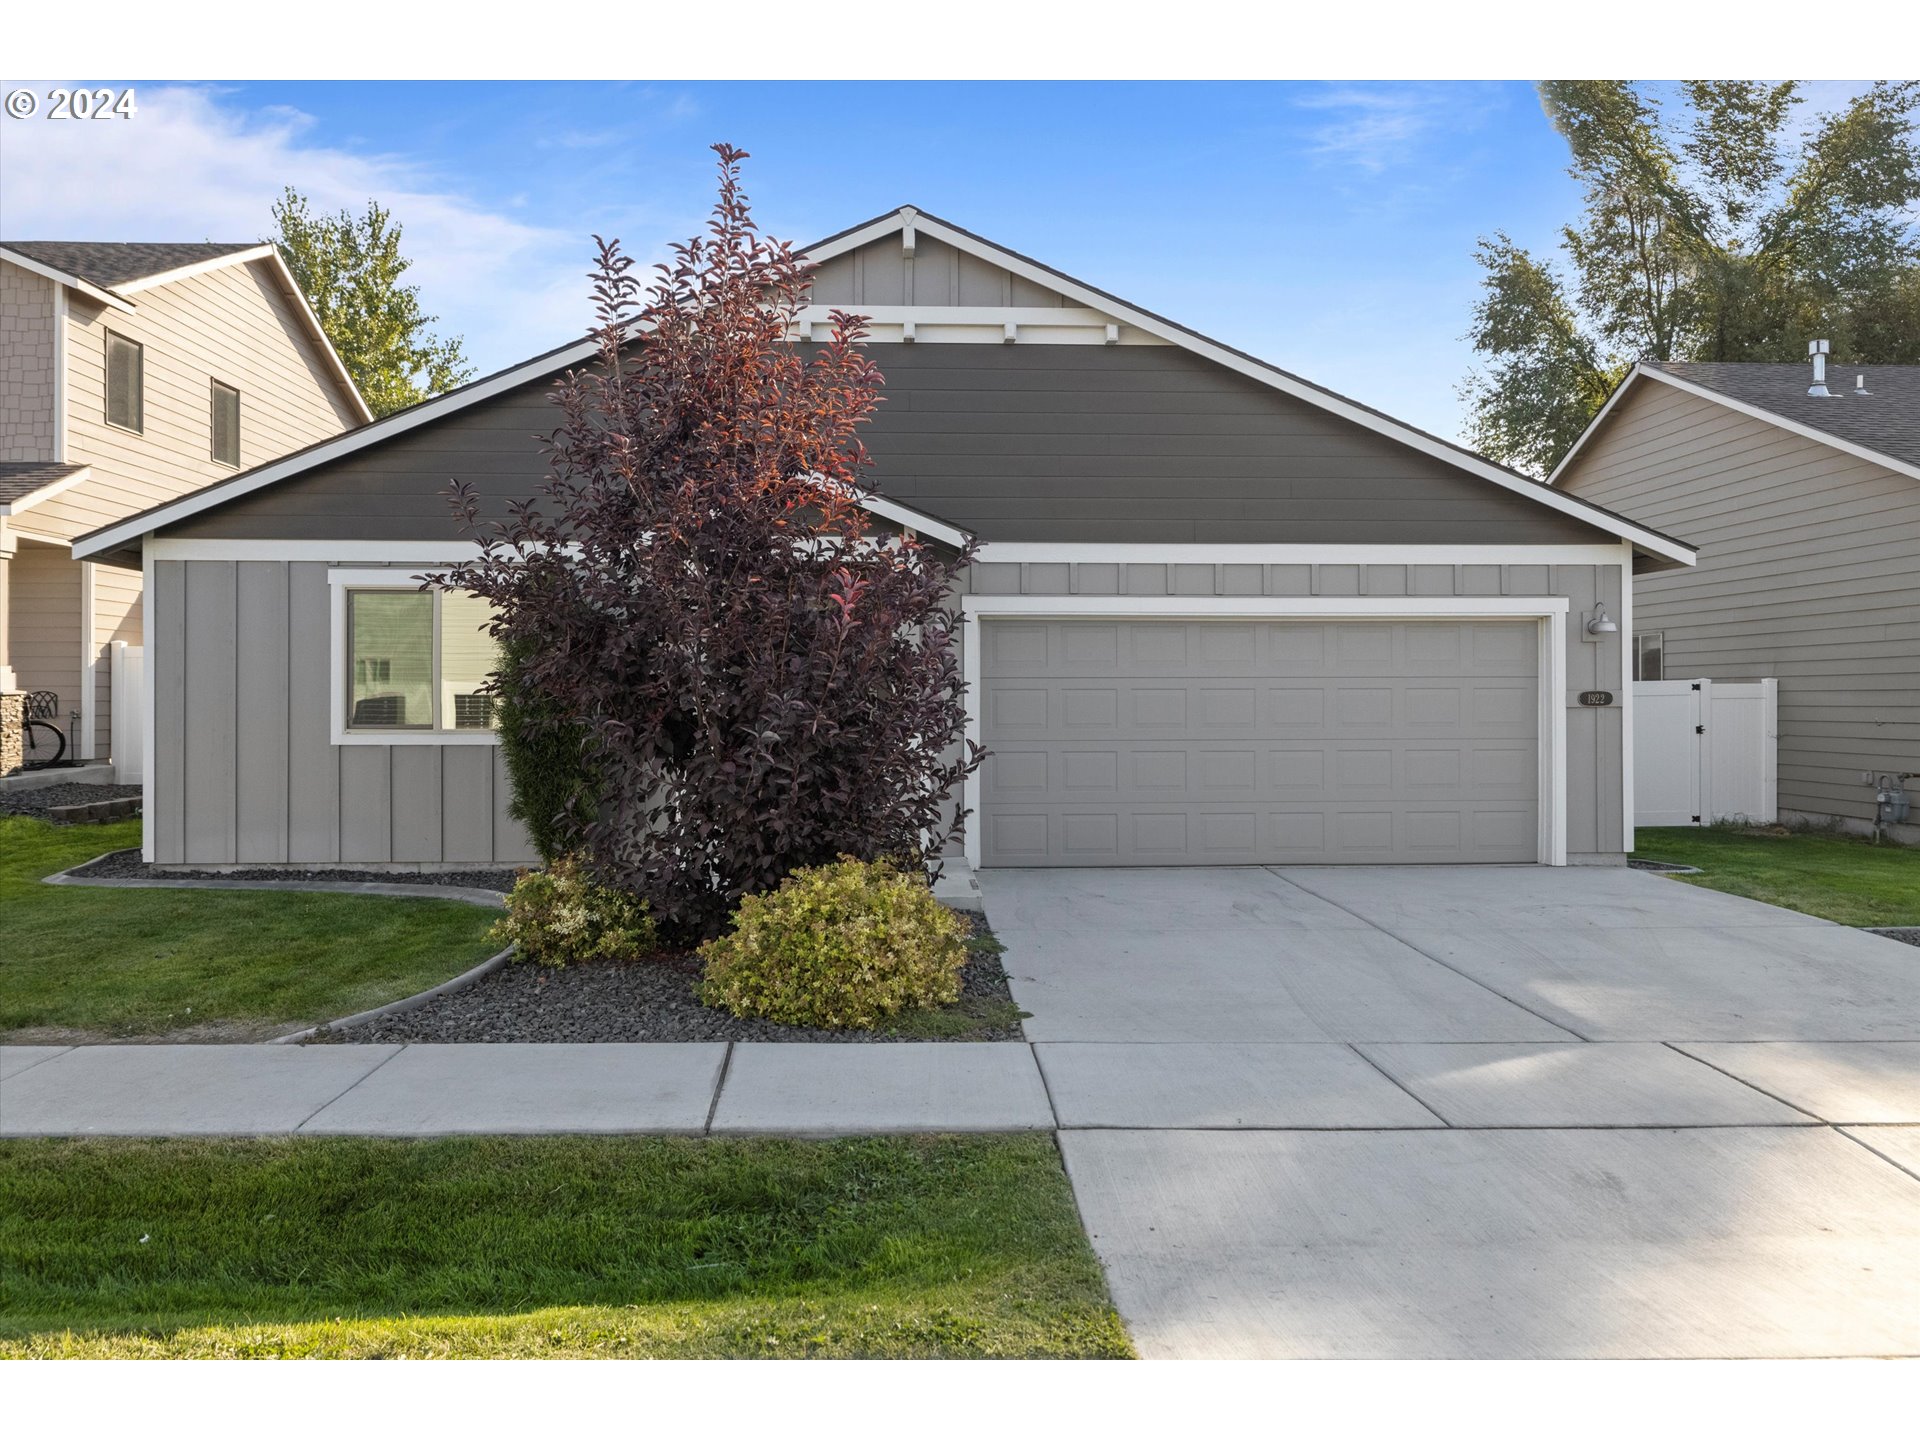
x=401 y=1007
x=466 y=894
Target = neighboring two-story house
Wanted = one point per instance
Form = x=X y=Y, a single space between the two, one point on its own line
x=1802 y=491
x=131 y=374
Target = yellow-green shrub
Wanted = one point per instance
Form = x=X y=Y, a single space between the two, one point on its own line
x=559 y=916
x=839 y=946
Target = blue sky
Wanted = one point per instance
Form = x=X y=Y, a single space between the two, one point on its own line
x=1325 y=226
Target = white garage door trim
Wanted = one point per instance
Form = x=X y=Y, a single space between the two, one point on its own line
x=1548 y=611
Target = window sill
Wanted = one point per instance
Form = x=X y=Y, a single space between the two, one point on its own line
x=343 y=736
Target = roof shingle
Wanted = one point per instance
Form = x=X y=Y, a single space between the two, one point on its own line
x=20 y=478
x=1886 y=419
x=108 y=264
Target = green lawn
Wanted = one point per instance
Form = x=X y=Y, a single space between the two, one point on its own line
x=220 y=964
x=1835 y=877
x=550 y=1246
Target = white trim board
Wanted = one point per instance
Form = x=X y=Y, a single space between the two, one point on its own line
x=73 y=282
x=1756 y=412
x=338 y=583
x=198 y=267
x=906 y=217
x=47 y=491
x=1021 y=552
x=89 y=663
x=1549 y=612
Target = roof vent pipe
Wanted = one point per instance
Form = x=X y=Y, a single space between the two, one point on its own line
x=1818 y=349
x=1860 y=385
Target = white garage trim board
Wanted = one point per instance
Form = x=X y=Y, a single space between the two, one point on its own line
x=1549 y=612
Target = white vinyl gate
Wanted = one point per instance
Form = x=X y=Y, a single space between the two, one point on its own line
x=1705 y=751
x=127 y=719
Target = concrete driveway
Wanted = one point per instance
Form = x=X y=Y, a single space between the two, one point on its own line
x=1477 y=1112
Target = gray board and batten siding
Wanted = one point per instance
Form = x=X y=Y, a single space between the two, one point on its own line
x=1043 y=443
x=1807 y=573
x=1123 y=444
x=245 y=771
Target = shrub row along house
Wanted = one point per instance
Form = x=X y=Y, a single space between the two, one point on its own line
x=132 y=374
x=1219 y=615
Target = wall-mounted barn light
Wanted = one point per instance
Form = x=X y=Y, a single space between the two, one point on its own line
x=1601 y=623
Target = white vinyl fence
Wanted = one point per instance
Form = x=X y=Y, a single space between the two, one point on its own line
x=128 y=716
x=1705 y=750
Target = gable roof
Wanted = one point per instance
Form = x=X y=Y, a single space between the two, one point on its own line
x=25 y=480
x=112 y=272
x=1883 y=425
x=909 y=217
x=112 y=265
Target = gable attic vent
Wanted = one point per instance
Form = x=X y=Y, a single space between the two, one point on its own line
x=1818 y=350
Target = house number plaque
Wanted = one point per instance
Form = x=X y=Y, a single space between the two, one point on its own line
x=1596 y=697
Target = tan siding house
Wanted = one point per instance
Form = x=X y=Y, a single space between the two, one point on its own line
x=1807 y=513
x=182 y=319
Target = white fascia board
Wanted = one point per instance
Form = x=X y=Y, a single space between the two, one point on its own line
x=72 y=282
x=1042 y=552
x=47 y=491
x=1756 y=412
x=910 y=519
x=397 y=424
x=1266 y=375
x=1593 y=425
x=1264 y=607
x=199 y=267
x=271 y=253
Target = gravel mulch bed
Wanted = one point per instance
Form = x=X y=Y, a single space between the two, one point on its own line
x=39 y=802
x=1906 y=936
x=654 y=1000
x=127 y=865
x=1662 y=867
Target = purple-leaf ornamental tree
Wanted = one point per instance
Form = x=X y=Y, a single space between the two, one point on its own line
x=765 y=677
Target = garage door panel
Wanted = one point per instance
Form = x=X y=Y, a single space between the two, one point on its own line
x=1243 y=742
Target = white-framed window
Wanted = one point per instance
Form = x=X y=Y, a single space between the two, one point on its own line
x=1649 y=655
x=409 y=665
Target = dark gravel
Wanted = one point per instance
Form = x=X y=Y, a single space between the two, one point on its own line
x=1662 y=867
x=38 y=802
x=1906 y=936
x=127 y=865
x=654 y=1000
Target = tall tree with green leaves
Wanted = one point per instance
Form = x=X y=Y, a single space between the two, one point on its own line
x=1717 y=223
x=350 y=268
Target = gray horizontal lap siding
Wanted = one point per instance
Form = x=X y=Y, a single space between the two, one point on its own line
x=1807 y=573
x=1033 y=443
x=245 y=771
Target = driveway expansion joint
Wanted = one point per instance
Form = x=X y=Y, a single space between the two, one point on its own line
x=385 y=1060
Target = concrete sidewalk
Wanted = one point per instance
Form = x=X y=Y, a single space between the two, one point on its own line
x=519 y=1089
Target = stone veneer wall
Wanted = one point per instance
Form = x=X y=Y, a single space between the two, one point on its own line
x=13 y=733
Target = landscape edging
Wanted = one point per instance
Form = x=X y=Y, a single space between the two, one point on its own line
x=466 y=894
x=401 y=1007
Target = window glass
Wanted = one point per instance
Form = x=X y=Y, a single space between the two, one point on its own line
x=468 y=658
x=1649 y=659
x=126 y=405
x=224 y=422
x=390 y=658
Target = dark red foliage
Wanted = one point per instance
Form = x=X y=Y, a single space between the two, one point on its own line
x=764 y=683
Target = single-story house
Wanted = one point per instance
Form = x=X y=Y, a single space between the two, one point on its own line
x=1806 y=509
x=1221 y=615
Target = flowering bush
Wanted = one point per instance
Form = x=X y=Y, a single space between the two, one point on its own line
x=560 y=916
x=839 y=946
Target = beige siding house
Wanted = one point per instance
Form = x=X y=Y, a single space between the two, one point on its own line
x=132 y=374
x=1806 y=509
x=1219 y=614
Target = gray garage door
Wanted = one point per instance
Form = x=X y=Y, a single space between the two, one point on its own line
x=1119 y=742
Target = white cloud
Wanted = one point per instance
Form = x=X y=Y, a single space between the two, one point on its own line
x=1376 y=128
x=190 y=166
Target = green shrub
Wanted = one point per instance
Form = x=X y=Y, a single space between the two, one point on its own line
x=559 y=916
x=546 y=757
x=839 y=946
